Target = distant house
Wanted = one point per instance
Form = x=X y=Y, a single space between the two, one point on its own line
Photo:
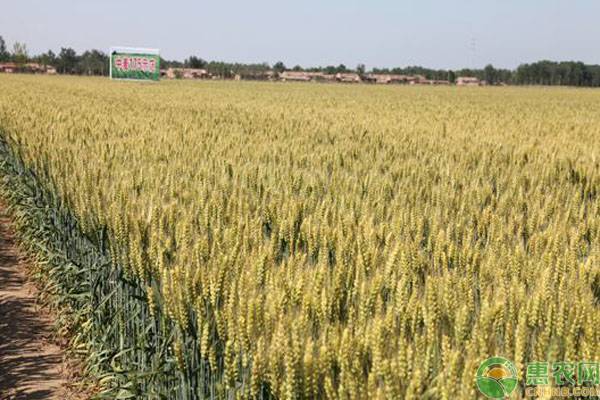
x=389 y=78
x=305 y=76
x=405 y=79
x=378 y=78
x=433 y=82
x=299 y=76
x=8 y=67
x=184 y=73
x=320 y=77
x=467 y=81
x=32 y=68
x=369 y=78
x=260 y=75
x=347 y=77
x=352 y=77
x=417 y=79
x=194 y=73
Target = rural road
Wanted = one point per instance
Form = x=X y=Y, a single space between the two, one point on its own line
x=31 y=366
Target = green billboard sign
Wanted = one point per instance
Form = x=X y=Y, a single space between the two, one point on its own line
x=134 y=63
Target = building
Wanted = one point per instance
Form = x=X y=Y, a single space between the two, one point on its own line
x=467 y=81
x=304 y=76
x=298 y=76
x=8 y=67
x=433 y=82
x=417 y=79
x=32 y=68
x=389 y=78
x=319 y=77
x=347 y=77
x=260 y=75
x=184 y=73
x=351 y=77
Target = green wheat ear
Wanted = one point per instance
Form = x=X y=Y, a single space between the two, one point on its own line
x=307 y=241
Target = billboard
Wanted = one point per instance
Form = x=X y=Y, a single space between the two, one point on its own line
x=134 y=63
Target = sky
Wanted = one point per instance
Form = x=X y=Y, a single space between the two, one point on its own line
x=378 y=33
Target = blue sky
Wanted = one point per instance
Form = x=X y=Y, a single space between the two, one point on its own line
x=436 y=34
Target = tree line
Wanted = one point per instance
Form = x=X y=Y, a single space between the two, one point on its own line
x=96 y=62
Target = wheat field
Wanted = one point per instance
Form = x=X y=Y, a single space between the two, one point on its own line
x=304 y=241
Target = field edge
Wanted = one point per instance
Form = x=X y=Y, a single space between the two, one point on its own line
x=70 y=268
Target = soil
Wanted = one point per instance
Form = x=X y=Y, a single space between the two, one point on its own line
x=32 y=365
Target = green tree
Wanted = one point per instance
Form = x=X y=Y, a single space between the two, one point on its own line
x=4 y=54
x=279 y=67
x=361 y=69
x=48 y=58
x=451 y=76
x=489 y=74
x=195 y=62
x=330 y=69
x=93 y=62
x=67 y=61
x=20 y=55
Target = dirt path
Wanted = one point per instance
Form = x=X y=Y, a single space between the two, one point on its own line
x=31 y=366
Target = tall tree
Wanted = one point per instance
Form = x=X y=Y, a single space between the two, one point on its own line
x=330 y=69
x=451 y=76
x=20 y=55
x=93 y=62
x=279 y=67
x=489 y=74
x=361 y=69
x=48 y=58
x=4 y=54
x=195 y=62
x=67 y=61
